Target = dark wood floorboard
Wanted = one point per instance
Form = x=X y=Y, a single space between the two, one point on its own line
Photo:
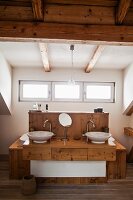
x=113 y=190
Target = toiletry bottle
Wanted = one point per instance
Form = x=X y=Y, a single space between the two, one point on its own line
x=35 y=106
x=39 y=107
x=46 y=107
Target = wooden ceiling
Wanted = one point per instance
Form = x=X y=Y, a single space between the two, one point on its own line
x=87 y=20
x=105 y=12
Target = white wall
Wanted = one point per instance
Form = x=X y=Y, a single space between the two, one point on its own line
x=14 y=126
x=128 y=88
x=5 y=82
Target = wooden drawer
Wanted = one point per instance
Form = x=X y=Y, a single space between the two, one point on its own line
x=69 y=154
x=108 y=154
x=33 y=153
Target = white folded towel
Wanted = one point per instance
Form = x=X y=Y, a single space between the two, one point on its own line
x=24 y=137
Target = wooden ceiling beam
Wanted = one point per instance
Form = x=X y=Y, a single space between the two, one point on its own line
x=97 y=53
x=38 y=10
x=66 y=33
x=122 y=10
x=130 y=111
x=44 y=54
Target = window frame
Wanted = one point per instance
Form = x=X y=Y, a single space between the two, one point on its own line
x=111 y=100
x=51 y=92
x=22 y=99
x=64 y=99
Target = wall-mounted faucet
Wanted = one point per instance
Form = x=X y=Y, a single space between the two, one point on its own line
x=88 y=125
x=50 y=124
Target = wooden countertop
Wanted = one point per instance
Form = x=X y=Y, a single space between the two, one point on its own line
x=57 y=143
x=71 y=150
x=69 y=144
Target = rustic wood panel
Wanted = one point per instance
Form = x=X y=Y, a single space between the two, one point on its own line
x=122 y=10
x=69 y=2
x=71 y=180
x=69 y=154
x=128 y=131
x=18 y=167
x=32 y=153
x=94 y=34
x=96 y=55
x=129 y=20
x=117 y=169
x=17 y=13
x=85 y=2
x=78 y=127
x=44 y=54
x=78 y=14
x=16 y=3
x=38 y=9
x=108 y=154
x=130 y=111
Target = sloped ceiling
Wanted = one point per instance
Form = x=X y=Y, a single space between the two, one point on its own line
x=3 y=107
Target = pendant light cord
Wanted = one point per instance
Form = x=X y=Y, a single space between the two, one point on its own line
x=72 y=49
x=72 y=82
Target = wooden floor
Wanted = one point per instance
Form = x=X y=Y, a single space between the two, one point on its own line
x=113 y=190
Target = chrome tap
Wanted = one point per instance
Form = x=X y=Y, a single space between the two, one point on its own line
x=50 y=124
x=88 y=125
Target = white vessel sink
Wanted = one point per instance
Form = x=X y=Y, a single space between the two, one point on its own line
x=98 y=137
x=40 y=136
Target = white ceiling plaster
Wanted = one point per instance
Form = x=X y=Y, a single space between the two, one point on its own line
x=27 y=54
x=115 y=57
x=21 y=54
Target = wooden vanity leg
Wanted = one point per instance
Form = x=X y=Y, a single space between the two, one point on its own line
x=117 y=169
x=17 y=166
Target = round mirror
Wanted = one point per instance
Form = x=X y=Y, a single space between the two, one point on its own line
x=65 y=120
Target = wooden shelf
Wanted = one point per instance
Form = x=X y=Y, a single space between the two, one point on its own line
x=128 y=131
x=130 y=111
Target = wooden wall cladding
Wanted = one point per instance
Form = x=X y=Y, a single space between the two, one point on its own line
x=78 y=127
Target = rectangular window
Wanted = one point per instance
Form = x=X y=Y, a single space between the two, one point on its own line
x=62 y=91
x=99 y=92
x=34 y=91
